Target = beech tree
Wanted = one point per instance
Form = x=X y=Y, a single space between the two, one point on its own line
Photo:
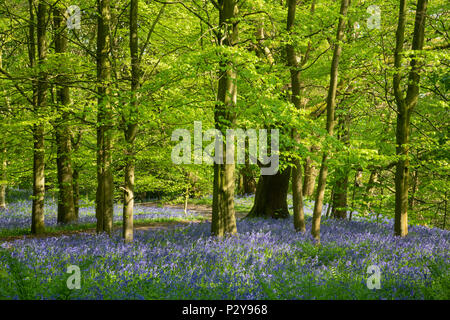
x=66 y=204
x=405 y=106
x=105 y=188
x=37 y=221
x=223 y=215
x=331 y=103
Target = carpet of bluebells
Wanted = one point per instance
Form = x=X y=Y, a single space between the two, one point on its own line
x=18 y=214
x=266 y=260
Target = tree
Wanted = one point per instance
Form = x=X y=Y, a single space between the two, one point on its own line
x=3 y=161
x=271 y=196
x=37 y=219
x=131 y=125
x=341 y=185
x=405 y=106
x=293 y=62
x=331 y=103
x=104 y=198
x=223 y=215
x=66 y=205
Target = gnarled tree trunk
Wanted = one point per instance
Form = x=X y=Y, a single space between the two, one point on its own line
x=271 y=196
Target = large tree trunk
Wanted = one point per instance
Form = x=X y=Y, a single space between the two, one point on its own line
x=341 y=187
x=66 y=209
x=405 y=105
x=104 y=197
x=331 y=104
x=37 y=216
x=131 y=126
x=271 y=196
x=293 y=63
x=223 y=215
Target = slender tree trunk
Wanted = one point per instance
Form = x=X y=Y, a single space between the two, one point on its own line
x=405 y=105
x=131 y=126
x=3 y=184
x=445 y=211
x=104 y=198
x=223 y=214
x=66 y=209
x=370 y=190
x=37 y=220
x=271 y=196
x=76 y=192
x=331 y=104
x=293 y=64
x=330 y=204
x=414 y=189
x=3 y=162
x=356 y=185
x=341 y=188
x=309 y=177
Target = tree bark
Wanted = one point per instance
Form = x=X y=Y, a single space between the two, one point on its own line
x=131 y=126
x=309 y=177
x=341 y=187
x=331 y=104
x=66 y=209
x=247 y=184
x=37 y=219
x=3 y=162
x=104 y=197
x=76 y=192
x=405 y=105
x=370 y=190
x=223 y=214
x=293 y=60
x=412 y=201
x=271 y=196
x=3 y=184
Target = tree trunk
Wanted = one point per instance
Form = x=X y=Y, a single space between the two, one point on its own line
x=247 y=180
x=131 y=126
x=271 y=196
x=66 y=209
x=370 y=190
x=3 y=177
x=309 y=177
x=331 y=104
x=37 y=219
x=104 y=197
x=223 y=215
x=404 y=109
x=341 y=187
x=3 y=163
x=76 y=192
x=414 y=189
x=293 y=64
